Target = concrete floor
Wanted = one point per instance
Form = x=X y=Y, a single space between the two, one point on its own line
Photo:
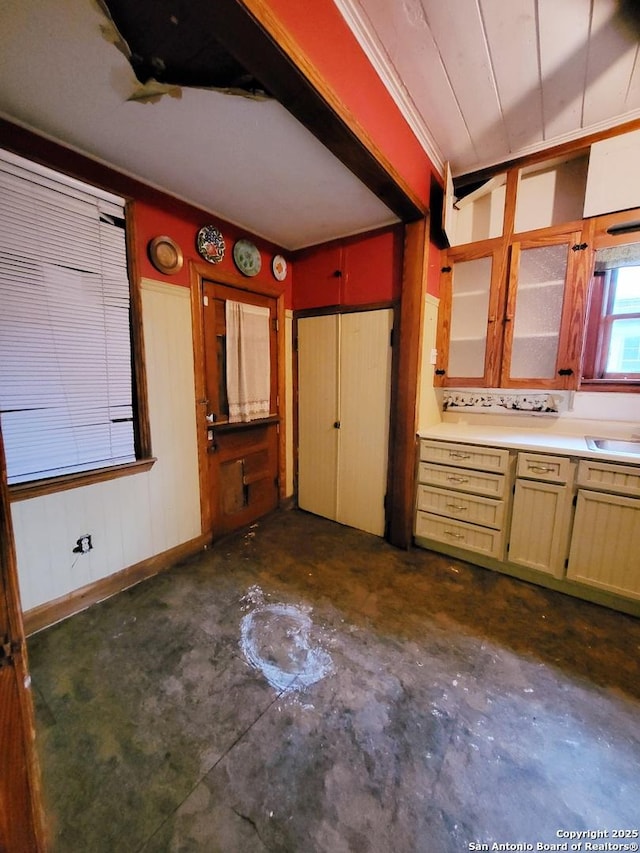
x=306 y=687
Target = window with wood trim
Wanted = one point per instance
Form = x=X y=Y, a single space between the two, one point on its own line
x=67 y=387
x=612 y=341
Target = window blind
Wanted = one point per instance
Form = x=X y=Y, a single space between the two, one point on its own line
x=65 y=345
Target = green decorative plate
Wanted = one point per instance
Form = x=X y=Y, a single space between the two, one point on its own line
x=247 y=257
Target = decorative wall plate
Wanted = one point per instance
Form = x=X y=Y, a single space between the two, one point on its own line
x=210 y=244
x=247 y=257
x=279 y=268
x=165 y=255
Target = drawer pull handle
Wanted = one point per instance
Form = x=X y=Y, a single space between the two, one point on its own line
x=457 y=507
x=541 y=469
x=456 y=454
x=454 y=535
x=453 y=479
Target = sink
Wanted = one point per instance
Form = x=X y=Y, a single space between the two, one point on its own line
x=615 y=445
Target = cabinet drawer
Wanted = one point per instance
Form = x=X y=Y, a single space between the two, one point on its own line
x=492 y=485
x=464 y=455
x=460 y=535
x=538 y=466
x=622 y=479
x=461 y=507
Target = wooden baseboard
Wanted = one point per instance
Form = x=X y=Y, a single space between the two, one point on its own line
x=45 y=615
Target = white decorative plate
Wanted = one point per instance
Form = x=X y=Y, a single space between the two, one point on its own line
x=279 y=268
x=247 y=257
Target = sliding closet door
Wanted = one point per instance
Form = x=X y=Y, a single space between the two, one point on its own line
x=344 y=387
x=365 y=389
x=317 y=414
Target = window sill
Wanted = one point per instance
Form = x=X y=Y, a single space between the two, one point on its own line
x=37 y=488
x=630 y=386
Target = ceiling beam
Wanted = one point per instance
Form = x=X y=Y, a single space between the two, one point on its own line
x=274 y=59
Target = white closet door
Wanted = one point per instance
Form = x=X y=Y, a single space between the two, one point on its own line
x=344 y=376
x=365 y=392
x=317 y=413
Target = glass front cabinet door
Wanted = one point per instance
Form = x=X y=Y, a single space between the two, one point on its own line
x=468 y=329
x=506 y=315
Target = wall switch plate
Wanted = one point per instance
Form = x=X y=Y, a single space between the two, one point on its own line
x=434 y=356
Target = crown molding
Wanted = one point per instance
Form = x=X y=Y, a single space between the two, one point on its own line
x=368 y=40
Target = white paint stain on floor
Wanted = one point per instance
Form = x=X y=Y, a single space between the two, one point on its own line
x=282 y=642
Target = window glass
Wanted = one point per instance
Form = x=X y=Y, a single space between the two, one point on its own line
x=612 y=341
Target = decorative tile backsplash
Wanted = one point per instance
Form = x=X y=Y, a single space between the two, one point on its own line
x=492 y=400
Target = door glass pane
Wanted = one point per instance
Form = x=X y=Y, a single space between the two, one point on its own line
x=538 y=312
x=469 y=313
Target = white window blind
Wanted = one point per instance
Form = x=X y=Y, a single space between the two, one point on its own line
x=65 y=350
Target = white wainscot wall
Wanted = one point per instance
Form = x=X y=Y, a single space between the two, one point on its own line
x=131 y=518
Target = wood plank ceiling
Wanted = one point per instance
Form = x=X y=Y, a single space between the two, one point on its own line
x=484 y=81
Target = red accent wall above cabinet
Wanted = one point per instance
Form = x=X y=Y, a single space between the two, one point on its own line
x=356 y=271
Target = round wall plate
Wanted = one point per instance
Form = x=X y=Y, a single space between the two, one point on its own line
x=247 y=257
x=210 y=244
x=279 y=268
x=165 y=255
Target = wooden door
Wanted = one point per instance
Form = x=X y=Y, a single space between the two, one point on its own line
x=242 y=458
x=21 y=823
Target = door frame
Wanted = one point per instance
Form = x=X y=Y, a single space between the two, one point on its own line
x=22 y=822
x=198 y=273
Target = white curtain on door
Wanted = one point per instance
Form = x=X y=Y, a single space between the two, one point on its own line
x=248 y=361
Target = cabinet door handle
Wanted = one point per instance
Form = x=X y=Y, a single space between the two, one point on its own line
x=540 y=469
x=457 y=507
x=453 y=479
x=456 y=454
x=453 y=534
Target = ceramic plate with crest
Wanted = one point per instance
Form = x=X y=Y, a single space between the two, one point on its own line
x=210 y=243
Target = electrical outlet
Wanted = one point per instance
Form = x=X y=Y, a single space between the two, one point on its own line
x=83 y=544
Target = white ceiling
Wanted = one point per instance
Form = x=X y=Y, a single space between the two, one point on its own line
x=484 y=81
x=247 y=161
x=480 y=81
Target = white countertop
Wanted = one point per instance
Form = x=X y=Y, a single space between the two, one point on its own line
x=543 y=439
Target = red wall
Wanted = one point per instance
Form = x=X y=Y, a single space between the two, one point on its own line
x=152 y=220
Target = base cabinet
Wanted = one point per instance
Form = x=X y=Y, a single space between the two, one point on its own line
x=541 y=519
x=513 y=511
x=605 y=548
x=461 y=496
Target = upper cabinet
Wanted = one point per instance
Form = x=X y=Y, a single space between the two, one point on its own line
x=614 y=178
x=507 y=313
x=515 y=282
x=361 y=270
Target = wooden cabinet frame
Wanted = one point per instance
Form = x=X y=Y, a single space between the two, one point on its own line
x=505 y=252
